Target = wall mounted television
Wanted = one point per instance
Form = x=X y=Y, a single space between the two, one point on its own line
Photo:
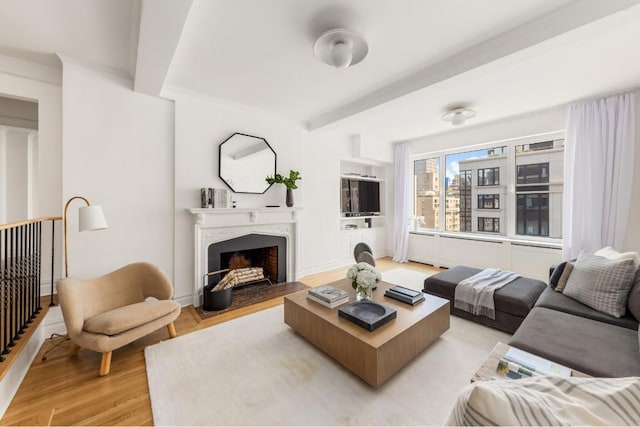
x=359 y=197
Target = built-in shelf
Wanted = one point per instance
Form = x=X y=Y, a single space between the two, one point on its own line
x=362 y=178
x=352 y=218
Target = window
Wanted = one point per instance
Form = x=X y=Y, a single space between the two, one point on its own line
x=512 y=189
x=533 y=214
x=488 y=201
x=426 y=183
x=533 y=174
x=488 y=176
x=490 y=225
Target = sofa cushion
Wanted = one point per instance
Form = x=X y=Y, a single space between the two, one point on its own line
x=557 y=272
x=517 y=297
x=122 y=319
x=595 y=348
x=601 y=283
x=566 y=273
x=556 y=301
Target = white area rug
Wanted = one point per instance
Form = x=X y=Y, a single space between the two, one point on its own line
x=407 y=278
x=256 y=371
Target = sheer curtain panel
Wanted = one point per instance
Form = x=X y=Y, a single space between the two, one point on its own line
x=599 y=154
x=402 y=204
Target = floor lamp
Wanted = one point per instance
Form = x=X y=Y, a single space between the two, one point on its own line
x=89 y=218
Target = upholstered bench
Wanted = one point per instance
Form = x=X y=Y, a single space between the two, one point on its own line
x=512 y=302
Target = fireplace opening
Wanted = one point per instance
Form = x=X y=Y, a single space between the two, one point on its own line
x=265 y=258
x=253 y=250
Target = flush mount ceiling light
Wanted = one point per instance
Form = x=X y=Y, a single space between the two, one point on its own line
x=341 y=48
x=458 y=116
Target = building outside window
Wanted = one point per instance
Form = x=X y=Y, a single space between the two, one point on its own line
x=488 y=201
x=426 y=184
x=488 y=176
x=489 y=225
x=476 y=196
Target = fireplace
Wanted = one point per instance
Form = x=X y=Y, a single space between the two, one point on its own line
x=253 y=250
x=233 y=229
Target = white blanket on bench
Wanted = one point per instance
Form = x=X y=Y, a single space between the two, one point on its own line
x=475 y=294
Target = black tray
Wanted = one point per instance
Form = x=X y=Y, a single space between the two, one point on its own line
x=367 y=314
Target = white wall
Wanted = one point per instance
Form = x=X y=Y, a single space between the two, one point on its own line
x=201 y=125
x=118 y=153
x=17 y=176
x=41 y=84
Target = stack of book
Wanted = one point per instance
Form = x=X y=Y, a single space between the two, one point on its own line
x=403 y=294
x=328 y=296
x=516 y=364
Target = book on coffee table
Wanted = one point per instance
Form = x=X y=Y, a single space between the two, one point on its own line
x=332 y=304
x=327 y=293
x=403 y=294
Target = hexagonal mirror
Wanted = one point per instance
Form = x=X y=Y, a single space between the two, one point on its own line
x=245 y=162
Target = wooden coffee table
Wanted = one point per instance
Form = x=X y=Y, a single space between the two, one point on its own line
x=373 y=356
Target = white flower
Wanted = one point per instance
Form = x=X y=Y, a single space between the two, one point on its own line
x=366 y=278
x=363 y=275
x=352 y=272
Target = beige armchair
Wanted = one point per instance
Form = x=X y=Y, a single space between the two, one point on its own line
x=108 y=312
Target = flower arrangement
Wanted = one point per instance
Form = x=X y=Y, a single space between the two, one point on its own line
x=363 y=277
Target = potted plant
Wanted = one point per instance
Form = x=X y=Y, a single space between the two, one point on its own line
x=289 y=182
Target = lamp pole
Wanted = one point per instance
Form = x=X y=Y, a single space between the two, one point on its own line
x=66 y=207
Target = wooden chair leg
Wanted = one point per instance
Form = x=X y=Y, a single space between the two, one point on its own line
x=74 y=349
x=172 y=330
x=105 y=364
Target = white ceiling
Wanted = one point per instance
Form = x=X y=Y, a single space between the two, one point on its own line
x=500 y=57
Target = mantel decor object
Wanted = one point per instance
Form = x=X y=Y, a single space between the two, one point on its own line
x=289 y=182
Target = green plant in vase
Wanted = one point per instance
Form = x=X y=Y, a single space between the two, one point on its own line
x=289 y=182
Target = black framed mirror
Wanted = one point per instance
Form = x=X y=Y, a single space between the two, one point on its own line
x=244 y=163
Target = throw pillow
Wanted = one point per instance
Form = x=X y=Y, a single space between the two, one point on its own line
x=611 y=253
x=566 y=273
x=555 y=276
x=601 y=283
x=634 y=295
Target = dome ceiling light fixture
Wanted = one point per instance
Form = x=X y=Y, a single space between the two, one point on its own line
x=341 y=48
x=458 y=116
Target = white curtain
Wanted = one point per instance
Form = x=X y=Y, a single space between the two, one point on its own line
x=403 y=197
x=599 y=154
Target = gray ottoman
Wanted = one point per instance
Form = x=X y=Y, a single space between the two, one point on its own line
x=512 y=302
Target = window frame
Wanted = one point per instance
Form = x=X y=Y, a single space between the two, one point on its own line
x=507 y=189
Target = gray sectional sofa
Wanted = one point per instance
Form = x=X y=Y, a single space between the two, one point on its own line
x=561 y=329
x=552 y=325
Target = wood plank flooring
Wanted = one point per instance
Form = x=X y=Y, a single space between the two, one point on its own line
x=63 y=390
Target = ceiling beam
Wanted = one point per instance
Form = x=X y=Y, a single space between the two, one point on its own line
x=553 y=24
x=161 y=25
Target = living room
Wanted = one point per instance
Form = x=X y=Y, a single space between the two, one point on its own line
x=135 y=97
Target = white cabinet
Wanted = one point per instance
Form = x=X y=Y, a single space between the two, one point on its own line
x=376 y=238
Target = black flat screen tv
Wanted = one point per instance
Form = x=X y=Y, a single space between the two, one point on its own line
x=360 y=197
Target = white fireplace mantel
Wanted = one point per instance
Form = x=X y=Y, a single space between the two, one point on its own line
x=218 y=224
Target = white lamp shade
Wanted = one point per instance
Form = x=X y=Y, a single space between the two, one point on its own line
x=91 y=218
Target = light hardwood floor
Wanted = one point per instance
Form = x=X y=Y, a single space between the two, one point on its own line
x=63 y=390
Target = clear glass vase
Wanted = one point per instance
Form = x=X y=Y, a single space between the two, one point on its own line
x=363 y=293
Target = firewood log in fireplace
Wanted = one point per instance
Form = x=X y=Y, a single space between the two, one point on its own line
x=238 y=277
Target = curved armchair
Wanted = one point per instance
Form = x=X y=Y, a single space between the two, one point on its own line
x=108 y=312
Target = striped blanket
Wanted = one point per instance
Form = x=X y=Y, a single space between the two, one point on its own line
x=475 y=294
x=549 y=401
